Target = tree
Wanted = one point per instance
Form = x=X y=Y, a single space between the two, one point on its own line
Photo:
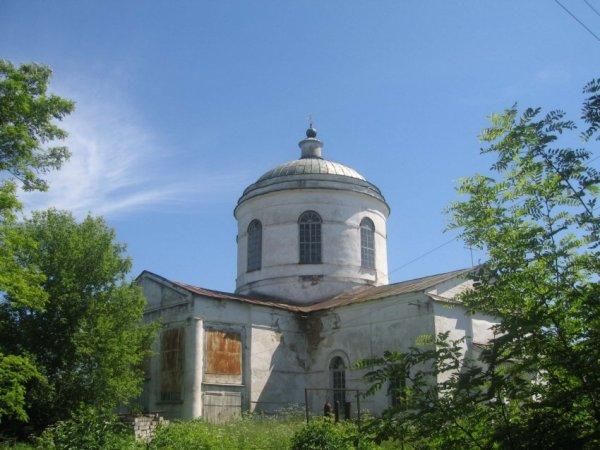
x=88 y=341
x=27 y=115
x=535 y=217
x=439 y=396
x=538 y=225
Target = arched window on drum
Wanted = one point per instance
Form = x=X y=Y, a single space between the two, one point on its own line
x=254 y=246
x=309 y=224
x=367 y=244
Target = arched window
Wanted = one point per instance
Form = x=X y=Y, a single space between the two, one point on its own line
x=367 y=243
x=337 y=371
x=310 y=238
x=254 y=245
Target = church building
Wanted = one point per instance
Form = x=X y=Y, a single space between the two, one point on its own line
x=312 y=297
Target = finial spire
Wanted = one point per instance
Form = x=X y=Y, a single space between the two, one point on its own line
x=311 y=133
x=311 y=147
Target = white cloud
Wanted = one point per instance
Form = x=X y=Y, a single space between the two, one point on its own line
x=553 y=74
x=118 y=165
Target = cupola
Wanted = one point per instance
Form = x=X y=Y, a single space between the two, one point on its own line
x=310 y=229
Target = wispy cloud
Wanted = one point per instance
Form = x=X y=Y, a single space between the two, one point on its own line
x=118 y=165
x=553 y=74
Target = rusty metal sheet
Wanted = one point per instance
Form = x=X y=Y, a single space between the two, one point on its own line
x=223 y=353
x=171 y=373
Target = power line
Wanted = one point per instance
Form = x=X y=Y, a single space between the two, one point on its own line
x=424 y=254
x=592 y=8
x=578 y=21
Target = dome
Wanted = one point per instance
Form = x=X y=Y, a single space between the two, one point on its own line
x=311 y=171
x=310 y=243
x=310 y=166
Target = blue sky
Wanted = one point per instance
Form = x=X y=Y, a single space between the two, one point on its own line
x=180 y=105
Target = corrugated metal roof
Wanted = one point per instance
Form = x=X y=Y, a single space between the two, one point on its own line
x=359 y=295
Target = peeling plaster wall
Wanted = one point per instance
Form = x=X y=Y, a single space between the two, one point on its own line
x=273 y=351
x=361 y=331
x=284 y=352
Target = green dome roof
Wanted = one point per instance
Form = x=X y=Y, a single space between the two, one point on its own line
x=311 y=166
x=311 y=171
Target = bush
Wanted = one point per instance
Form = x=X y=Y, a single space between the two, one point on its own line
x=88 y=429
x=252 y=432
x=191 y=435
x=323 y=434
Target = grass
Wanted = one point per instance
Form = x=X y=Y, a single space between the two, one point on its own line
x=250 y=432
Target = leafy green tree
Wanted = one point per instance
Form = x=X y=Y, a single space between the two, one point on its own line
x=537 y=222
x=89 y=340
x=534 y=215
x=27 y=130
x=438 y=396
x=27 y=114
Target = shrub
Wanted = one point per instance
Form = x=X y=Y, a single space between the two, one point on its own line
x=88 y=429
x=323 y=434
x=252 y=432
x=191 y=435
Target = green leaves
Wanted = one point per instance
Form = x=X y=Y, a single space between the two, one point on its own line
x=538 y=226
x=27 y=115
x=15 y=373
x=89 y=340
x=591 y=109
x=27 y=131
x=537 y=384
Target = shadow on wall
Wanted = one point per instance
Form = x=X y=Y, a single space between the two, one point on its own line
x=279 y=374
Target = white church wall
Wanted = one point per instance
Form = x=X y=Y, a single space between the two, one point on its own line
x=281 y=274
x=173 y=309
x=273 y=353
x=283 y=352
x=365 y=330
x=456 y=320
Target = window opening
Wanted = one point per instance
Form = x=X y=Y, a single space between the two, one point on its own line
x=367 y=243
x=310 y=238
x=171 y=367
x=337 y=370
x=254 y=246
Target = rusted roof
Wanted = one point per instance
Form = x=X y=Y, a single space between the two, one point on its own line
x=219 y=295
x=389 y=290
x=359 y=295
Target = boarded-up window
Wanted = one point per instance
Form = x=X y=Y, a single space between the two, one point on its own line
x=223 y=353
x=171 y=366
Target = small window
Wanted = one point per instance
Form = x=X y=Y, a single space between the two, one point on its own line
x=367 y=243
x=396 y=388
x=254 y=245
x=337 y=370
x=171 y=367
x=310 y=238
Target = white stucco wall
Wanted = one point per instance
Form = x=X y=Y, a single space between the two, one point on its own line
x=366 y=330
x=452 y=317
x=285 y=352
x=281 y=275
x=273 y=346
